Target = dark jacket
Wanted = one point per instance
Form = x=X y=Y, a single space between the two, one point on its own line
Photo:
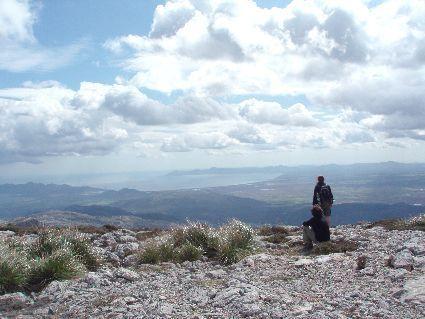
x=320 y=228
x=316 y=193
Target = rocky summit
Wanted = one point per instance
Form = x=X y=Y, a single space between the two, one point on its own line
x=383 y=276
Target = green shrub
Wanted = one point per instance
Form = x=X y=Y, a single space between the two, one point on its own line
x=60 y=265
x=189 y=252
x=12 y=270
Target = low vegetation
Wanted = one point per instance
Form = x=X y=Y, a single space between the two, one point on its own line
x=54 y=255
x=274 y=234
x=276 y=238
x=146 y=234
x=417 y=223
x=20 y=230
x=13 y=270
x=272 y=230
x=228 y=244
x=330 y=247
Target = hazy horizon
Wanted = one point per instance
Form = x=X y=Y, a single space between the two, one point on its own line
x=162 y=179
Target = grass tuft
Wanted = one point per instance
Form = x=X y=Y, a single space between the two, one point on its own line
x=196 y=234
x=55 y=255
x=47 y=242
x=82 y=249
x=155 y=253
x=188 y=252
x=60 y=265
x=12 y=270
x=228 y=244
x=238 y=234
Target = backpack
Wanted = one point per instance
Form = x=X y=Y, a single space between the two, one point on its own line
x=325 y=194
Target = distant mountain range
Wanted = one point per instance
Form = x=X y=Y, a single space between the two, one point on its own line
x=231 y=171
x=362 y=191
x=358 y=168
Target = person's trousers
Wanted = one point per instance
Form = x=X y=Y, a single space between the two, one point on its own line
x=308 y=235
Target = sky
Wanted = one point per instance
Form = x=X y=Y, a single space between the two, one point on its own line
x=113 y=86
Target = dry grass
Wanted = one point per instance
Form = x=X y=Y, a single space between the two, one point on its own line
x=212 y=283
x=274 y=234
x=279 y=277
x=276 y=238
x=105 y=300
x=21 y=230
x=330 y=247
x=417 y=223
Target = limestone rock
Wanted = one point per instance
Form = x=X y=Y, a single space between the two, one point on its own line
x=130 y=260
x=127 y=274
x=415 y=290
x=124 y=250
x=7 y=233
x=219 y=273
x=127 y=239
x=14 y=301
x=416 y=245
x=403 y=259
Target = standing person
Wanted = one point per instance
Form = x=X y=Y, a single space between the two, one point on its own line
x=323 y=196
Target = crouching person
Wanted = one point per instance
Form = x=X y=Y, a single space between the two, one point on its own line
x=315 y=230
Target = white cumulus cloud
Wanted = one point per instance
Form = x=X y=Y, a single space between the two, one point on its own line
x=20 y=49
x=339 y=54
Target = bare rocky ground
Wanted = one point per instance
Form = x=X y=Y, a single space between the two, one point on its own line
x=275 y=282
